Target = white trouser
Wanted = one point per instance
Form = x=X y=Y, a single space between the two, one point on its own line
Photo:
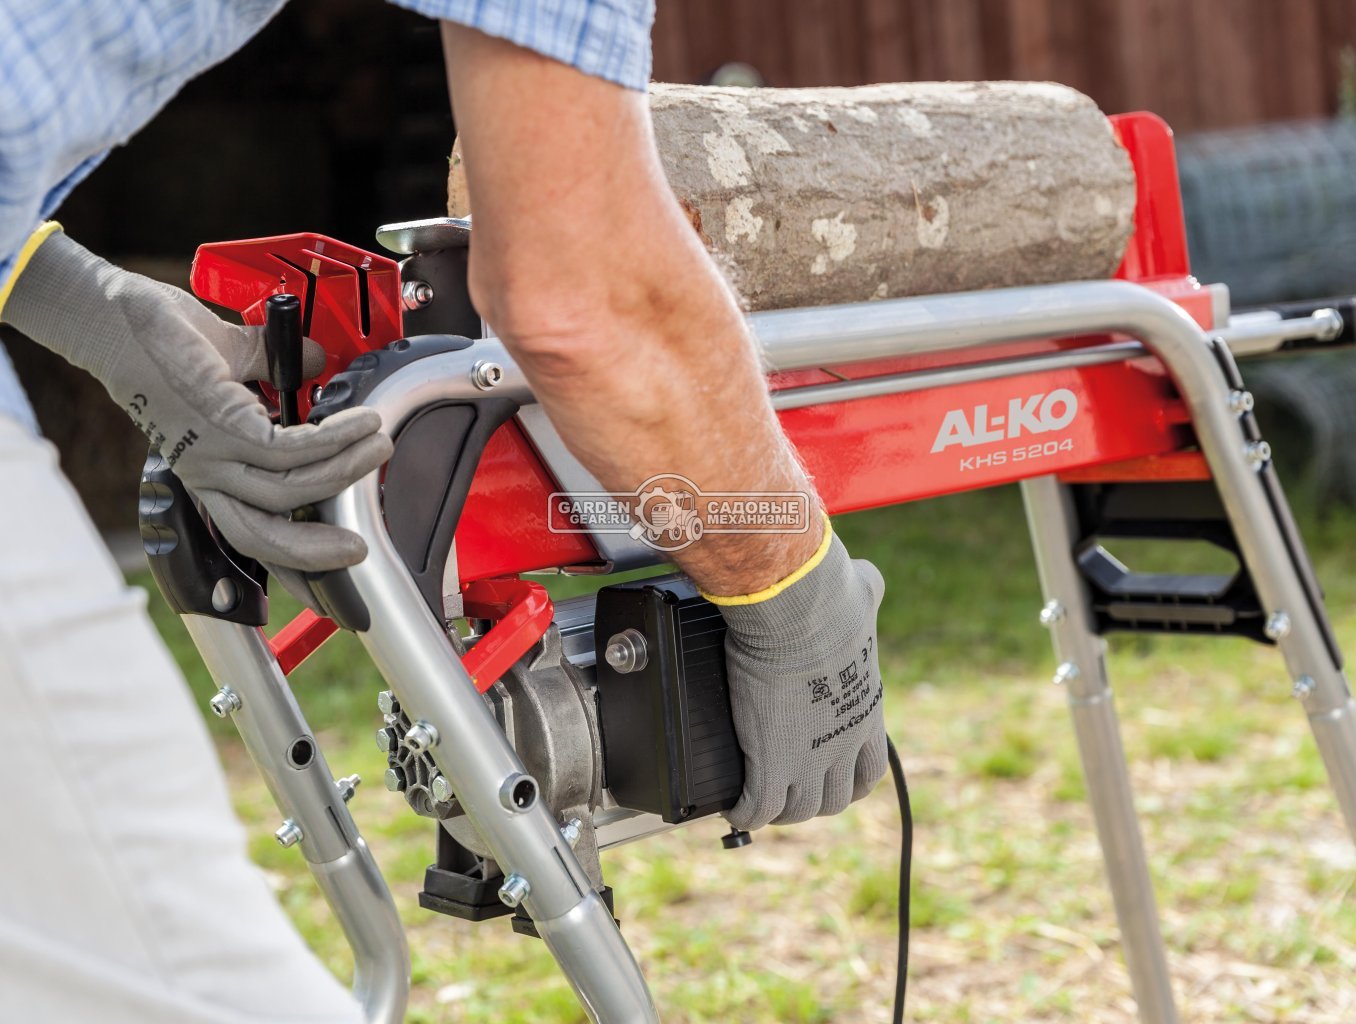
x=126 y=894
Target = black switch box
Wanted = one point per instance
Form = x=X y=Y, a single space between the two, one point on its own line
x=669 y=744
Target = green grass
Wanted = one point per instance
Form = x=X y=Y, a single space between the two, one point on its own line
x=1012 y=920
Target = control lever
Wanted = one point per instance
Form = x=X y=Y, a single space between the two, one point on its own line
x=282 y=342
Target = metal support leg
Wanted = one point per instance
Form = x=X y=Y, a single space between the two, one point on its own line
x=283 y=747
x=411 y=650
x=1082 y=670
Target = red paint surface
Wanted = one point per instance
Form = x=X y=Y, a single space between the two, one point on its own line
x=1130 y=423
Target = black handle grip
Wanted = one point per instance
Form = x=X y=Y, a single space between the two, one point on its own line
x=197 y=575
x=282 y=341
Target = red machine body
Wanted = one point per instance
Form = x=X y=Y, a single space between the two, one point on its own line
x=862 y=454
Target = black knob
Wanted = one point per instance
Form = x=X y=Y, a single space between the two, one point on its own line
x=282 y=342
x=735 y=838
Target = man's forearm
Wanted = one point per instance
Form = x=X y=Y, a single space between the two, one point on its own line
x=586 y=267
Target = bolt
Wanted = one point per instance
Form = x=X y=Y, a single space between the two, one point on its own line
x=441 y=789
x=627 y=652
x=288 y=834
x=1240 y=402
x=571 y=831
x=347 y=786
x=225 y=595
x=225 y=703
x=1053 y=612
x=416 y=294
x=421 y=736
x=386 y=740
x=1258 y=453
x=486 y=375
x=514 y=890
x=394 y=780
x=315 y=394
x=387 y=704
x=1066 y=673
x=1304 y=686
x=1278 y=626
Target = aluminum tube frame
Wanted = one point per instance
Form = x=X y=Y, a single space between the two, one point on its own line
x=411 y=650
x=270 y=722
x=1082 y=671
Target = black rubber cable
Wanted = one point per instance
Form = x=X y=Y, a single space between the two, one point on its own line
x=905 y=870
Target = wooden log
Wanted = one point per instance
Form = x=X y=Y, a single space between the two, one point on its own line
x=816 y=196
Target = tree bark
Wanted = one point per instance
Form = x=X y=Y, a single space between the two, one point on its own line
x=817 y=196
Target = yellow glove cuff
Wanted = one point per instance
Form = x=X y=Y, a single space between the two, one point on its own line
x=44 y=231
x=767 y=593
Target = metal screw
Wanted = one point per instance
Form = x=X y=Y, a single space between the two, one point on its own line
x=1304 y=686
x=347 y=786
x=1066 y=673
x=386 y=740
x=1278 y=626
x=421 y=736
x=315 y=393
x=387 y=704
x=416 y=294
x=571 y=831
x=514 y=890
x=1258 y=453
x=441 y=789
x=288 y=834
x=1240 y=402
x=394 y=780
x=1053 y=612
x=225 y=703
x=225 y=595
x=627 y=652
x=486 y=375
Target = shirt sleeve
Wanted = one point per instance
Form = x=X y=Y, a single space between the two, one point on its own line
x=609 y=39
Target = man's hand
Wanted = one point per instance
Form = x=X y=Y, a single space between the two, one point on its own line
x=805 y=688
x=175 y=367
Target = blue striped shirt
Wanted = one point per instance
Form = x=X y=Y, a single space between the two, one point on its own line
x=78 y=77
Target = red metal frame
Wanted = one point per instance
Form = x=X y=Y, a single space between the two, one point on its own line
x=522 y=613
x=1131 y=424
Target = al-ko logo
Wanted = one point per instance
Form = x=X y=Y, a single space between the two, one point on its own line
x=668 y=512
x=1035 y=414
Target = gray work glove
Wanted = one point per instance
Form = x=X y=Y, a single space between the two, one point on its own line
x=805 y=689
x=175 y=367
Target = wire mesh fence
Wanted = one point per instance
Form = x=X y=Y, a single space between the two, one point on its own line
x=1271 y=212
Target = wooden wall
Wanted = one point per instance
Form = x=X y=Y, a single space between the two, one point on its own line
x=1198 y=63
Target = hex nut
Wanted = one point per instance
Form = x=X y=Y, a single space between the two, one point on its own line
x=441 y=789
x=416 y=294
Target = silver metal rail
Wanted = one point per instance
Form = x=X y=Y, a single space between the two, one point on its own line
x=255 y=695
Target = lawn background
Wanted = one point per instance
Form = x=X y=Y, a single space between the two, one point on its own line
x=1012 y=920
